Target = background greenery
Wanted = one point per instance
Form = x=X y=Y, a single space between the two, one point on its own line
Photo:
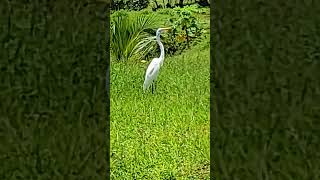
x=52 y=90
x=267 y=59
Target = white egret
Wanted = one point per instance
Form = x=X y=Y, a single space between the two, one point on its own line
x=154 y=67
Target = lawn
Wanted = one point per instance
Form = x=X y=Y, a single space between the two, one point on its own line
x=164 y=135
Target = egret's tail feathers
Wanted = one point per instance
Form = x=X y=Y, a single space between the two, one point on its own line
x=145 y=86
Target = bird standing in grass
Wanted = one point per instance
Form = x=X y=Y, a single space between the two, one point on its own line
x=154 y=67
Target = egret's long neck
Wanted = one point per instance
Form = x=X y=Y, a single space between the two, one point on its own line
x=161 y=48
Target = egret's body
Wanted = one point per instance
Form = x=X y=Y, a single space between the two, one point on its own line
x=152 y=73
x=154 y=67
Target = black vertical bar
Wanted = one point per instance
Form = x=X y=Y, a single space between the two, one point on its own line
x=107 y=29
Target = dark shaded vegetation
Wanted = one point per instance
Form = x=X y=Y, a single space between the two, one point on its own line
x=135 y=5
x=142 y=4
x=52 y=90
x=267 y=63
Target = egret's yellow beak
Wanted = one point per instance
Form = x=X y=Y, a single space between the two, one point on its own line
x=166 y=29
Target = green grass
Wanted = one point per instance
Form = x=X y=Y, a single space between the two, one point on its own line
x=166 y=134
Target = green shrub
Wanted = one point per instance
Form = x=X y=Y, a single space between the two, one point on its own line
x=185 y=30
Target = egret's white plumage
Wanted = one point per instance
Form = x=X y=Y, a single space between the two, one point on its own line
x=152 y=73
x=154 y=67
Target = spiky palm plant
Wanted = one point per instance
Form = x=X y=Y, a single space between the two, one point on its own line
x=129 y=36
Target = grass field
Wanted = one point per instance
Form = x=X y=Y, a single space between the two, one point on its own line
x=166 y=134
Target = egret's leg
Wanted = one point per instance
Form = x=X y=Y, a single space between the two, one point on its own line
x=152 y=87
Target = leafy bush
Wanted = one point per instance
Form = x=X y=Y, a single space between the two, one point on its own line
x=129 y=4
x=194 y=9
x=129 y=35
x=185 y=30
x=186 y=24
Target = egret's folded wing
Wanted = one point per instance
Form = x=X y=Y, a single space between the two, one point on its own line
x=151 y=68
x=151 y=74
x=148 y=78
